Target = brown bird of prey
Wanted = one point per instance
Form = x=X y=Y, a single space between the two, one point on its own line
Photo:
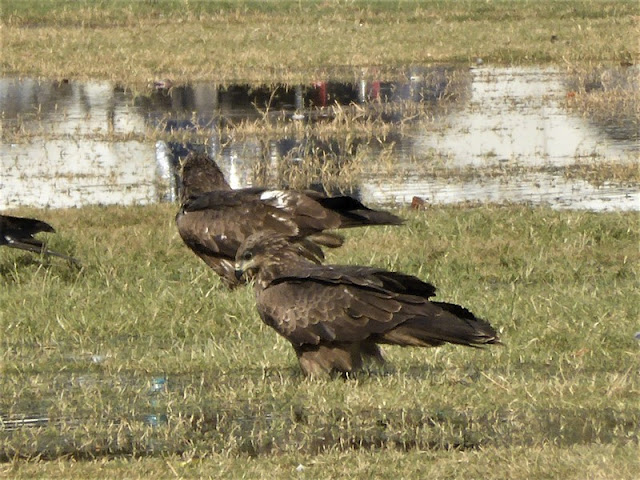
x=334 y=315
x=18 y=232
x=214 y=219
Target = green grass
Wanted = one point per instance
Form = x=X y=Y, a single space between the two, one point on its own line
x=137 y=42
x=546 y=461
x=559 y=400
x=82 y=348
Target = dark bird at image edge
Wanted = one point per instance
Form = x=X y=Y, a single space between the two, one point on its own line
x=18 y=232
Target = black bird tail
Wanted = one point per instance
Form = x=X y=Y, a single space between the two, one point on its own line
x=355 y=214
x=448 y=323
x=24 y=227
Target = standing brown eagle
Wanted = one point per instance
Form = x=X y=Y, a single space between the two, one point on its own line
x=18 y=232
x=336 y=315
x=214 y=219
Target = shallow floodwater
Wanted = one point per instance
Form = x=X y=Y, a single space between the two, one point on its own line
x=149 y=415
x=73 y=144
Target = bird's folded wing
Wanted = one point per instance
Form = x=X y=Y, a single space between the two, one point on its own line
x=317 y=308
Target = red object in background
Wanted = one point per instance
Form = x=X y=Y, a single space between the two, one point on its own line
x=418 y=203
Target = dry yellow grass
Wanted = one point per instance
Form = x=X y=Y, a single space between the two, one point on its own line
x=137 y=42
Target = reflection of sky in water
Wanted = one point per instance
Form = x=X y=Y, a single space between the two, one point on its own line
x=63 y=173
x=534 y=188
x=75 y=167
x=514 y=117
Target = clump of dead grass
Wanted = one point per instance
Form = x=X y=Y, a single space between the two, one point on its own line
x=609 y=96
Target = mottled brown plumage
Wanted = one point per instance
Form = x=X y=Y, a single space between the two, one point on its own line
x=336 y=315
x=18 y=232
x=214 y=219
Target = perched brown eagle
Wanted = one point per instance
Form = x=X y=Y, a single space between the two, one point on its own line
x=214 y=219
x=336 y=315
x=18 y=232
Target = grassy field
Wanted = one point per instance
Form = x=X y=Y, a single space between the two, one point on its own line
x=266 y=41
x=143 y=364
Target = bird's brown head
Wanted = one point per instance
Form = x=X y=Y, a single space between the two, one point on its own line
x=200 y=174
x=266 y=254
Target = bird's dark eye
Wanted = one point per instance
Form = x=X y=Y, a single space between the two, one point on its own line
x=247 y=255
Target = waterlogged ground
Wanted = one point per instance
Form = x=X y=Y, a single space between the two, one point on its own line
x=501 y=135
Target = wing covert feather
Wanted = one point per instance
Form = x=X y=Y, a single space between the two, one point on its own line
x=221 y=229
x=307 y=311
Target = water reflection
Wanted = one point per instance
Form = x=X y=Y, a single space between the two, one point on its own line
x=72 y=144
x=534 y=189
x=516 y=115
x=137 y=415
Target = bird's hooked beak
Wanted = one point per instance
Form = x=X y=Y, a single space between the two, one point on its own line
x=242 y=267
x=238 y=272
